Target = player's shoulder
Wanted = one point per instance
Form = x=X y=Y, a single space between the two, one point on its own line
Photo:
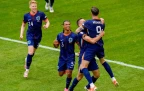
x=61 y=33
x=27 y=14
x=74 y=34
x=40 y=12
x=87 y=21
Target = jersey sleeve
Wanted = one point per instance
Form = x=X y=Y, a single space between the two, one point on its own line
x=25 y=19
x=44 y=16
x=76 y=38
x=86 y=24
x=58 y=38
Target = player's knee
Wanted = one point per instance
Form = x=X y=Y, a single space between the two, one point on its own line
x=60 y=74
x=79 y=78
x=102 y=60
x=97 y=75
x=69 y=75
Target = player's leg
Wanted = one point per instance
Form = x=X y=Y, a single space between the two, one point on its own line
x=94 y=68
x=107 y=67
x=32 y=46
x=68 y=79
x=29 y=60
x=47 y=4
x=70 y=66
x=87 y=57
x=51 y=3
x=51 y=6
x=61 y=67
x=109 y=71
x=76 y=80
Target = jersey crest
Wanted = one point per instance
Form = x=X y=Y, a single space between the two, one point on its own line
x=38 y=18
x=70 y=40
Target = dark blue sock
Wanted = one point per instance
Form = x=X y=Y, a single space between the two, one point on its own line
x=68 y=80
x=108 y=69
x=75 y=82
x=29 y=60
x=93 y=79
x=87 y=75
x=33 y=54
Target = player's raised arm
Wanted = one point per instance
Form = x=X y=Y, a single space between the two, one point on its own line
x=22 y=30
x=79 y=29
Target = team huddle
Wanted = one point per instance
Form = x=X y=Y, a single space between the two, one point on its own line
x=88 y=37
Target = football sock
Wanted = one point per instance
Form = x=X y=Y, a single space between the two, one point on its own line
x=68 y=80
x=47 y=1
x=29 y=60
x=108 y=69
x=87 y=75
x=51 y=3
x=75 y=82
x=93 y=79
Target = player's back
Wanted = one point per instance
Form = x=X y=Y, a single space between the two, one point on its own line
x=94 y=27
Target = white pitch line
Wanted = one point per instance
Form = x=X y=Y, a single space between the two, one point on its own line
x=50 y=48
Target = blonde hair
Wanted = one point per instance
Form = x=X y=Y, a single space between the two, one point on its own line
x=32 y=1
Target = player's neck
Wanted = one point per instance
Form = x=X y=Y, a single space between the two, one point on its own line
x=95 y=17
x=67 y=32
x=33 y=13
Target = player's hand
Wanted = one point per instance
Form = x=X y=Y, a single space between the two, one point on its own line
x=55 y=43
x=102 y=33
x=21 y=37
x=102 y=20
x=45 y=26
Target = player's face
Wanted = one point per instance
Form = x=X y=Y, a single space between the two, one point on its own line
x=33 y=7
x=81 y=22
x=66 y=25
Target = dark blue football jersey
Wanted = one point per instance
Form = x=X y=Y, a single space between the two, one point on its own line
x=34 y=24
x=94 y=27
x=67 y=45
x=82 y=43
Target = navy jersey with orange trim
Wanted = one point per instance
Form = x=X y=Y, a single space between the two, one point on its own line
x=34 y=24
x=67 y=45
x=93 y=29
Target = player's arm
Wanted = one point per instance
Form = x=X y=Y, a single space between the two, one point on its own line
x=56 y=43
x=79 y=29
x=22 y=30
x=47 y=23
x=93 y=40
x=102 y=20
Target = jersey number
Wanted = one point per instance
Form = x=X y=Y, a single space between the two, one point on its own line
x=30 y=23
x=62 y=44
x=98 y=29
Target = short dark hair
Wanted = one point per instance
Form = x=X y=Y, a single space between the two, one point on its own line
x=78 y=21
x=95 y=11
x=65 y=21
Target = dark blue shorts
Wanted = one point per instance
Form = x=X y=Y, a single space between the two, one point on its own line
x=33 y=42
x=90 y=53
x=92 y=65
x=65 y=65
